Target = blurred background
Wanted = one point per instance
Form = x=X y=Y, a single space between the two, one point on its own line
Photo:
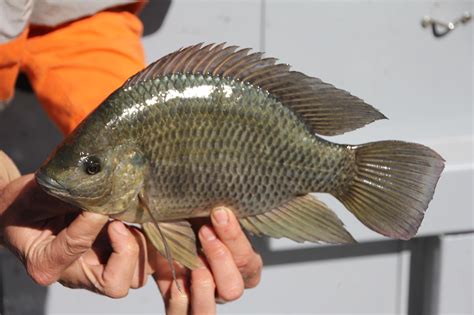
x=377 y=50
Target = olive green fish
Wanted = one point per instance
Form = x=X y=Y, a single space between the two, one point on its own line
x=211 y=126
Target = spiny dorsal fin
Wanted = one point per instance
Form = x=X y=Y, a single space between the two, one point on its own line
x=303 y=218
x=326 y=109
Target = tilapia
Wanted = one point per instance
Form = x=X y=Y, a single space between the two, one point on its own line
x=210 y=126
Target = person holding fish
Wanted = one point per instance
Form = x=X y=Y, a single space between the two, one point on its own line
x=75 y=56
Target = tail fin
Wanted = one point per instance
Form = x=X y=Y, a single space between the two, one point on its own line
x=393 y=184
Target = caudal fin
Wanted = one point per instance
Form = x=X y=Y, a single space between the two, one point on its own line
x=393 y=185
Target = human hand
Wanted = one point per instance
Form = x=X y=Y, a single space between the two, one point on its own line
x=57 y=242
x=8 y=169
x=230 y=265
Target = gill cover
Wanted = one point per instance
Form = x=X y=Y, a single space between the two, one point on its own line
x=106 y=181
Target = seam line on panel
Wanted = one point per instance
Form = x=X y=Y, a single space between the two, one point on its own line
x=262 y=24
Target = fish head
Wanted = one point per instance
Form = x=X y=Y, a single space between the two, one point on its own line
x=94 y=175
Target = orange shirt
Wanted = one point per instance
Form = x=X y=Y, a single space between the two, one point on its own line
x=74 y=67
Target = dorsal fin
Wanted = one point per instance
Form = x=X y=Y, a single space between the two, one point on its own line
x=326 y=109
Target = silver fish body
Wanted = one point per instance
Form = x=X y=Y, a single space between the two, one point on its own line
x=208 y=141
x=211 y=126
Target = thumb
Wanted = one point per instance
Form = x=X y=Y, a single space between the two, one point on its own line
x=69 y=245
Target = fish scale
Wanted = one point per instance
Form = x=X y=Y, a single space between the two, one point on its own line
x=258 y=119
x=215 y=126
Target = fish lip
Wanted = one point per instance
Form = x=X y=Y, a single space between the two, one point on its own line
x=49 y=184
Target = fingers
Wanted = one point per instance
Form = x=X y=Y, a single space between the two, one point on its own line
x=230 y=258
x=8 y=170
x=10 y=196
x=143 y=268
x=116 y=263
x=229 y=282
x=56 y=248
x=76 y=239
x=47 y=258
x=176 y=301
x=198 y=288
x=115 y=279
x=25 y=206
x=202 y=291
x=230 y=233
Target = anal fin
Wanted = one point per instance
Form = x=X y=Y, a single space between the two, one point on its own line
x=303 y=218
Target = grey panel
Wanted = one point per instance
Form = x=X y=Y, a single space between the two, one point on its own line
x=26 y=134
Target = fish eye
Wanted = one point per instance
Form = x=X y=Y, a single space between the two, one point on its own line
x=92 y=165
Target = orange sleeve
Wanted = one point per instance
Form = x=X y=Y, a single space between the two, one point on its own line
x=75 y=67
x=10 y=57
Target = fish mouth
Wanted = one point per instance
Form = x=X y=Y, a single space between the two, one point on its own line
x=49 y=184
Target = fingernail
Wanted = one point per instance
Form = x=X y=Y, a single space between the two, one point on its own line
x=207 y=233
x=221 y=216
x=121 y=229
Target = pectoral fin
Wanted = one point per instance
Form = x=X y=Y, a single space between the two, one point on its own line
x=180 y=238
x=303 y=218
x=174 y=240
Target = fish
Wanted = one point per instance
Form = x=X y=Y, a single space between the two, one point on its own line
x=215 y=125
